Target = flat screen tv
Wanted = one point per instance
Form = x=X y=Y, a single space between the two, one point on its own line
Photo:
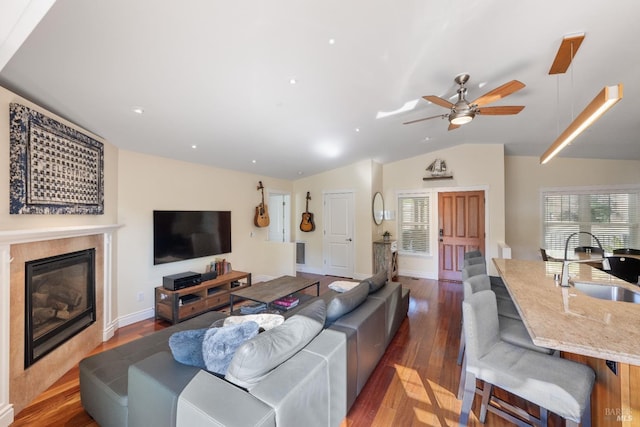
x=183 y=235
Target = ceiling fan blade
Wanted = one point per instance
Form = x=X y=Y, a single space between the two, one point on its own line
x=426 y=118
x=453 y=127
x=438 y=101
x=499 y=93
x=500 y=111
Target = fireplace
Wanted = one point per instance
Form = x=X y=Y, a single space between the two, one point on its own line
x=60 y=301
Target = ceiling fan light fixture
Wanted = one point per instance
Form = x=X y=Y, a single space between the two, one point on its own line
x=603 y=101
x=461 y=117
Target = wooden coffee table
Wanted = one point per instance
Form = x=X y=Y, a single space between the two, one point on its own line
x=271 y=290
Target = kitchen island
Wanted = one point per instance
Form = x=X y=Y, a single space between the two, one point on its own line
x=603 y=334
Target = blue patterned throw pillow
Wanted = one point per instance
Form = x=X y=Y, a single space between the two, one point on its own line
x=186 y=347
x=220 y=344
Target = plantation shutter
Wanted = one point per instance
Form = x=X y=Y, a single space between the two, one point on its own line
x=414 y=224
x=612 y=216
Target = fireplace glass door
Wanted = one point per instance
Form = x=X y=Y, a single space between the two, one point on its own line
x=60 y=301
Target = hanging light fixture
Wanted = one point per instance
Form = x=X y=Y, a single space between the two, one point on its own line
x=606 y=99
x=461 y=117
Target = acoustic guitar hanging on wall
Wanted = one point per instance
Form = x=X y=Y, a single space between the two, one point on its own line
x=307 y=223
x=261 y=218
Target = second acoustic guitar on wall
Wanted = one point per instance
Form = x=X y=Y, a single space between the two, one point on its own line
x=307 y=223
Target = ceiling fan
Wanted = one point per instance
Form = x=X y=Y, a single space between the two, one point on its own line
x=464 y=111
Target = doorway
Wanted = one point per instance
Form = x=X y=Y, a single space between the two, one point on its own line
x=461 y=216
x=279 y=217
x=338 y=243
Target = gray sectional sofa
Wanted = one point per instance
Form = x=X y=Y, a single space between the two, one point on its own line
x=311 y=367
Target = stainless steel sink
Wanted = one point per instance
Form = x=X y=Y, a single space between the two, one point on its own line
x=606 y=292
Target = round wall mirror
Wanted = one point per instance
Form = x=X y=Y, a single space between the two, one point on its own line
x=377 y=208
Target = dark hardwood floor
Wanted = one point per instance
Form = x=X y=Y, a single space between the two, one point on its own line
x=415 y=383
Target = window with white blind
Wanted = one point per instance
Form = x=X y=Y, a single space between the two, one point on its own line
x=611 y=215
x=413 y=223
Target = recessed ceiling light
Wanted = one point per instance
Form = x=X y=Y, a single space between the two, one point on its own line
x=137 y=110
x=332 y=41
x=293 y=81
x=357 y=129
x=194 y=146
x=300 y=173
x=253 y=161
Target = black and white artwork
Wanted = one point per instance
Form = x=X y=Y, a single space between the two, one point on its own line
x=54 y=169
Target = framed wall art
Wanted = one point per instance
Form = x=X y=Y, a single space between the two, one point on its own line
x=54 y=169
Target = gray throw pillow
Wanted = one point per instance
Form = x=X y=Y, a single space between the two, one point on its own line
x=186 y=347
x=257 y=357
x=219 y=344
x=345 y=302
x=377 y=281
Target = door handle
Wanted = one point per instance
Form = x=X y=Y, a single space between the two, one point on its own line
x=348 y=240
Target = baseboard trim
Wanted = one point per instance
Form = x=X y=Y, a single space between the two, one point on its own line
x=6 y=415
x=419 y=274
x=135 y=317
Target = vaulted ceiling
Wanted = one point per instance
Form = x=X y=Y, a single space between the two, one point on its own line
x=286 y=88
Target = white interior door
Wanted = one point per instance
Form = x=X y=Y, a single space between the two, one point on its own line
x=338 y=242
x=279 y=217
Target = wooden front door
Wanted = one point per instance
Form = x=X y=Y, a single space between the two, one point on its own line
x=461 y=229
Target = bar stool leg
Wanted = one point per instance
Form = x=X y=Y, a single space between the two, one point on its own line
x=486 y=395
x=467 y=400
x=463 y=372
x=544 y=416
x=461 y=349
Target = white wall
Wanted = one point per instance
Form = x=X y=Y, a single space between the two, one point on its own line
x=524 y=177
x=356 y=178
x=474 y=166
x=147 y=183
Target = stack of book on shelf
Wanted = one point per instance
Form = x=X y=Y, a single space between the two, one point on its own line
x=253 y=308
x=286 y=303
x=220 y=266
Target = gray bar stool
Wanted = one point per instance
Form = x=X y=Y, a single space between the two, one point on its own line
x=478 y=272
x=475 y=266
x=506 y=307
x=473 y=261
x=557 y=385
x=511 y=330
x=473 y=254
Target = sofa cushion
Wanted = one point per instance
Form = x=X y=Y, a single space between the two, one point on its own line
x=186 y=347
x=345 y=302
x=377 y=281
x=219 y=344
x=254 y=359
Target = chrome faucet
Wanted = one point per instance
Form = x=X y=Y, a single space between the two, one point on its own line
x=564 y=281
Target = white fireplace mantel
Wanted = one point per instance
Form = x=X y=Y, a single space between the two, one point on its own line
x=12 y=237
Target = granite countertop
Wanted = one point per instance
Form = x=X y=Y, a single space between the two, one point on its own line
x=568 y=320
